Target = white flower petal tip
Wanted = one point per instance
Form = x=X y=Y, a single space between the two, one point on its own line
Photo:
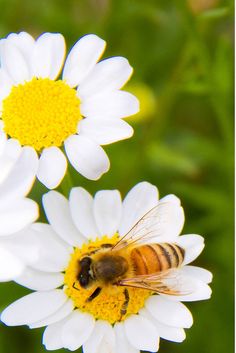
x=52 y=336
x=171 y=198
x=57 y=210
x=77 y=330
x=24 y=211
x=141 y=333
x=105 y=131
x=21 y=176
x=82 y=58
x=52 y=167
x=108 y=75
x=33 y=307
x=102 y=339
x=139 y=200
x=193 y=245
x=87 y=157
x=48 y=55
x=122 y=343
x=197 y=272
x=170 y=333
x=13 y=62
x=169 y=313
x=110 y=105
x=10 y=266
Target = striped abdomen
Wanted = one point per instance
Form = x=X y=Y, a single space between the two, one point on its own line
x=151 y=258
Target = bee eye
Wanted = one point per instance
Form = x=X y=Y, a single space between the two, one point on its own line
x=83 y=280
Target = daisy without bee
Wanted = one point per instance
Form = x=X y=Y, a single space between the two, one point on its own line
x=127 y=307
x=18 y=167
x=80 y=112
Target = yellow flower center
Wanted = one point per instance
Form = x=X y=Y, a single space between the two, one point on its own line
x=109 y=302
x=41 y=113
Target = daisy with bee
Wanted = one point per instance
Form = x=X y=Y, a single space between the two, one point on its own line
x=109 y=269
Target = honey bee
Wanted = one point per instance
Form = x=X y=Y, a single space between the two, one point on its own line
x=135 y=261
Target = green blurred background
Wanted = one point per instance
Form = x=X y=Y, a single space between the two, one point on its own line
x=182 y=54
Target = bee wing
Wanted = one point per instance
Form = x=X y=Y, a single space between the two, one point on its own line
x=153 y=224
x=167 y=282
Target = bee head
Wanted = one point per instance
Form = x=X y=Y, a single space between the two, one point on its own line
x=84 y=274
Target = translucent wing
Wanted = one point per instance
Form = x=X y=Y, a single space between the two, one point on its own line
x=155 y=223
x=170 y=282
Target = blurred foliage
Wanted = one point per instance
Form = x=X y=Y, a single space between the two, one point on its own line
x=182 y=53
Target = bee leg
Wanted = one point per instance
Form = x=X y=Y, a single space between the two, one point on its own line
x=75 y=286
x=124 y=307
x=94 y=294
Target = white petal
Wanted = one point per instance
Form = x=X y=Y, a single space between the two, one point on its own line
x=140 y=199
x=21 y=176
x=77 y=330
x=141 y=333
x=201 y=292
x=48 y=55
x=52 y=336
x=198 y=273
x=23 y=211
x=106 y=346
x=23 y=245
x=87 y=157
x=115 y=104
x=107 y=75
x=160 y=224
x=54 y=254
x=11 y=152
x=171 y=198
x=52 y=167
x=101 y=329
x=60 y=314
x=3 y=136
x=122 y=343
x=169 y=313
x=24 y=42
x=58 y=214
x=104 y=131
x=82 y=58
x=170 y=333
x=14 y=63
x=38 y=280
x=33 y=307
x=173 y=214
x=10 y=265
x=107 y=211
x=5 y=84
x=81 y=208
x=193 y=245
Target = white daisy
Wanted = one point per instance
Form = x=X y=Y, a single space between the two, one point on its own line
x=17 y=173
x=83 y=225
x=81 y=111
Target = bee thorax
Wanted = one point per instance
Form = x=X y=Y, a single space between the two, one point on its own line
x=109 y=268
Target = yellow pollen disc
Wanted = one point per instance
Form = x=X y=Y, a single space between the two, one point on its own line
x=41 y=113
x=107 y=305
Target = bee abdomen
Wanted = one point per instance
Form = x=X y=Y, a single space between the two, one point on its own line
x=151 y=258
